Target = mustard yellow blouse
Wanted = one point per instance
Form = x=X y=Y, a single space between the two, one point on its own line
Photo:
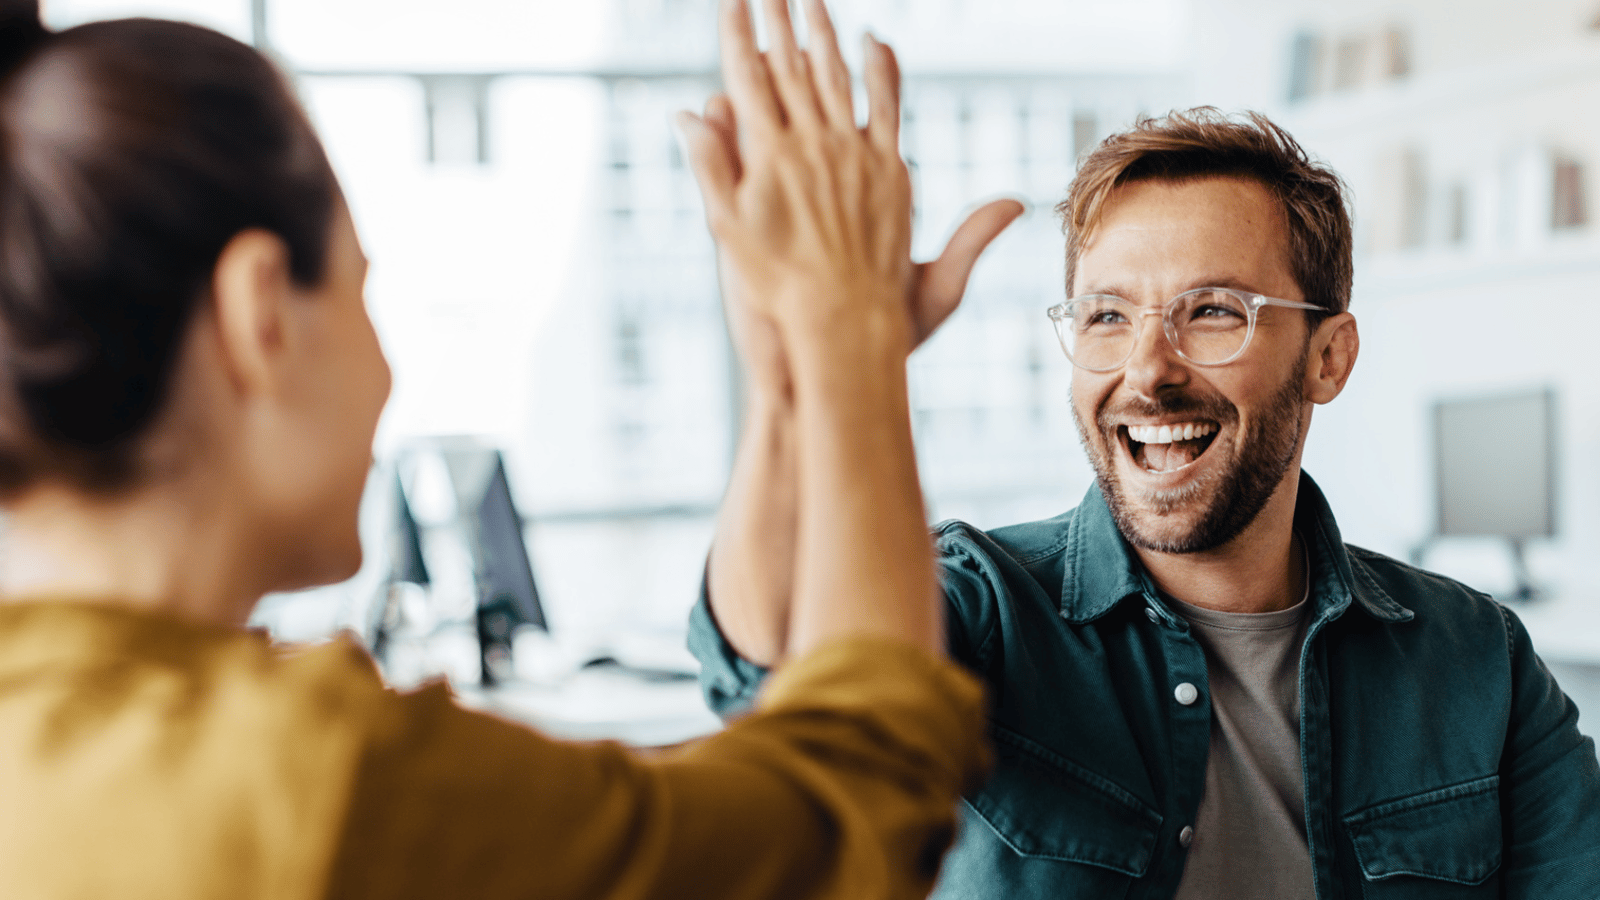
x=143 y=756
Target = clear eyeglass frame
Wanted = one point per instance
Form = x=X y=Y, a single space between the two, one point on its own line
x=1061 y=316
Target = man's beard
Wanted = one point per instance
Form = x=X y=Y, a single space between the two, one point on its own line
x=1237 y=492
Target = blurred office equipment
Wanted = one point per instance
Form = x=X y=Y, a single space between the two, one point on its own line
x=1495 y=472
x=403 y=543
x=405 y=548
x=472 y=515
x=506 y=594
x=460 y=600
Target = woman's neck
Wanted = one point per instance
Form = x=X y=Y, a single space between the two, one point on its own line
x=162 y=549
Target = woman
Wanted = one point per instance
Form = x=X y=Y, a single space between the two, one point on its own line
x=189 y=385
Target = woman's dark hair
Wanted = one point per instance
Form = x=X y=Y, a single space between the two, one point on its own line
x=131 y=153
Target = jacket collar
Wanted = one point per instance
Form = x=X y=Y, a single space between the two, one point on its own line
x=1103 y=571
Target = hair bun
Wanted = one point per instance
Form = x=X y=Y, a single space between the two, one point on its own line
x=20 y=31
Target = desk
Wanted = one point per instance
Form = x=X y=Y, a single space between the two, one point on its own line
x=611 y=703
x=602 y=703
x=1565 y=627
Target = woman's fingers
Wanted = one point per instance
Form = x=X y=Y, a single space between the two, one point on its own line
x=786 y=84
x=828 y=71
x=882 y=73
x=791 y=71
x=745 y=74
x=808 y=210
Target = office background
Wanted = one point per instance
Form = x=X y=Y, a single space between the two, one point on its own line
x=543 y=283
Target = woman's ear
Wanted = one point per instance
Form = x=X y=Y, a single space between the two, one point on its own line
x=1334 y=347
x=250 y=288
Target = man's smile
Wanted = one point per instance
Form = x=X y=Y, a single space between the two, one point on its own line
x=1167 y=447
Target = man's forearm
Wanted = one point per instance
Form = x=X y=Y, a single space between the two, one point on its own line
x=751 y=570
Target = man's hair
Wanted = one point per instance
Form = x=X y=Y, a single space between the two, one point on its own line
x=1203 y=142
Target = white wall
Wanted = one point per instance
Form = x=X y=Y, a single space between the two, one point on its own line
x=1493 y=93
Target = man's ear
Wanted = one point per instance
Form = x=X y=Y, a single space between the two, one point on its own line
x=1333 y=350
x=250 y=288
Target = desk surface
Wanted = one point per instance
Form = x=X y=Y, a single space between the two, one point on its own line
x=610 y=703
x=1564 y=627
x=603 y=704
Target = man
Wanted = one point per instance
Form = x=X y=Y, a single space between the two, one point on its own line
x=1198 y=690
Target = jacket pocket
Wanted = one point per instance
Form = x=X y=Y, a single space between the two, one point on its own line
x=1444 y=843
x=1044 y=826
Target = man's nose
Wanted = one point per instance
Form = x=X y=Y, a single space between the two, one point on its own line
x=1155 y=363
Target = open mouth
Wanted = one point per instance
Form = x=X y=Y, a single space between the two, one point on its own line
x=1167 y=448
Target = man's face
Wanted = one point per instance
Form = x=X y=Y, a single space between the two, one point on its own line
x=1155 y=240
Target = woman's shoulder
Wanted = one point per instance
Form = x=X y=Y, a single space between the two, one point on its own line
x=190 y=742
x=176 y=666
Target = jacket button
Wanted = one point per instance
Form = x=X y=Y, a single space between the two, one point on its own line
x=1186 y=836
x=1186 y=694
x=1151 y=614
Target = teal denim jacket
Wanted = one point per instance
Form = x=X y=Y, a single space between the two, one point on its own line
x=1440 y=759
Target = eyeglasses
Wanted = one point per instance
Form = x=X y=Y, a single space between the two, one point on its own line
x=1207 y=326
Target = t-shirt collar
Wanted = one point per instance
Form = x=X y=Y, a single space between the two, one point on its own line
x=1102 y=571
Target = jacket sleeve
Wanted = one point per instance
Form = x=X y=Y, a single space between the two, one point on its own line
x=728 y=681
x=1550 y=786
x=841 y=783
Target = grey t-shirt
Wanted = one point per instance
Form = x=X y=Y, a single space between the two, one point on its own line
x=1249 y=842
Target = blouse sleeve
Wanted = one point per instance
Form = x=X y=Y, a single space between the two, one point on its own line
x=841 y=783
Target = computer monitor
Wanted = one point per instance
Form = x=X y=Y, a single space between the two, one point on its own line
x=406 y=562
x=506 y=593
x=407 y=566
x=502 y=567
x=468 y=503
x=1495 y=470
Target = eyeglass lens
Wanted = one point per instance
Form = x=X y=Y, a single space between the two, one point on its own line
x=1100 y=332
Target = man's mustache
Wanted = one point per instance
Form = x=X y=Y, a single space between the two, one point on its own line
x=1212 y=408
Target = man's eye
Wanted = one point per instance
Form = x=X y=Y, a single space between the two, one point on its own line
x=1102 y=317
x=1216 y=314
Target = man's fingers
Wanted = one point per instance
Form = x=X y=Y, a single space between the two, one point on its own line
x=974 y=234
x=940 y=283
x=882 y=73
x=831 y=75
x=719 y=115
x=712 y=165
x=744 y=71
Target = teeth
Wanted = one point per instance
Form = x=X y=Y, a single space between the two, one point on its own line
x=1166 y=434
